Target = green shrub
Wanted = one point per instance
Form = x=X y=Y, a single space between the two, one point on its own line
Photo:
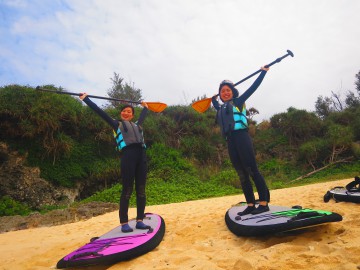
x=167 y=162
x=226 y=177
x=10 y=207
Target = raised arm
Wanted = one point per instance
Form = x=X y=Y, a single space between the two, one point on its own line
x=215 y=102
x=112 y=122
x=142 y=114
x=241 y=99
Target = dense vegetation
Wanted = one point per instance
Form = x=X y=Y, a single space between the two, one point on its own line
x=187 y=156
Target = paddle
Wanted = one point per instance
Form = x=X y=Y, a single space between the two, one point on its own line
x=152 y=106
x=204 y=104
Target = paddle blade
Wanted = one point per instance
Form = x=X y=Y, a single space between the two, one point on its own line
x=201 y=105
x=156 y=106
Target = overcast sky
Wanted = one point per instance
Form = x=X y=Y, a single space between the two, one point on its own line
x=177 y=50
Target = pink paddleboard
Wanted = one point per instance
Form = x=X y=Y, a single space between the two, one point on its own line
x=116 y=246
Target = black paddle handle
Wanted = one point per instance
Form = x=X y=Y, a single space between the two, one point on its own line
x=278 y=60
x=90 y=96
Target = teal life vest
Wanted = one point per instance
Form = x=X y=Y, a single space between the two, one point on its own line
x=230 y=118
x=128 y=133
x=240 y=118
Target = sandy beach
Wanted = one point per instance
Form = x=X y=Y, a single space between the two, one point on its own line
x=197 y=238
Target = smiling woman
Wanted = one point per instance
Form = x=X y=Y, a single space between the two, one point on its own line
x=130 y=141
x=231 y=116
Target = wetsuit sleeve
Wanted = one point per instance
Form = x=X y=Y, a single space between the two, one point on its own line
x=215 y=103
x=240 y=100
x=142 y=116
x=113 y=123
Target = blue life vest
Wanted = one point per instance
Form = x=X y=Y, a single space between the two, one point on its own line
x=240 y=118
x=230 y=118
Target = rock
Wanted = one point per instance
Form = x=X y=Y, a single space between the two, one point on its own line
x=25 y=185
x=56 y=217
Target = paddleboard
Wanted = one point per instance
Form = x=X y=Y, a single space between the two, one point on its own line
x=342 y=194
x=278 y=219
x=116 y=246
x=349 y=193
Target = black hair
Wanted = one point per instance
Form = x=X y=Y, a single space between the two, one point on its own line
x=128 y=106
x=232 y=87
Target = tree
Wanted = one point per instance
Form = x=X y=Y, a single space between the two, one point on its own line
x=340 y=139
x=250 y=113
x=352 y=101
x=123 y=90
x=337 y=102
x=326 y=105
x=315 y=152
x=199 y=98
x=357 y=82
x=297 y=125
x=323 y=106
x=37 y=115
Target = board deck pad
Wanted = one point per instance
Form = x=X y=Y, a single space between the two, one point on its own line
x=115 y=246
x=278 y=219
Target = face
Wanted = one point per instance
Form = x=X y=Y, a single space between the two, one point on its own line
x=126 y=114
x=225 y=93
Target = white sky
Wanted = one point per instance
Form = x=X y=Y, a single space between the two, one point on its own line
x=177 y=50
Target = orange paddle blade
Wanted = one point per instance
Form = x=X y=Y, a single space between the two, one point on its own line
x=201 y=105
x=156 y=106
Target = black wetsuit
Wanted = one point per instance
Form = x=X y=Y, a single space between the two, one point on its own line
x=133 y=166
x=240 y=145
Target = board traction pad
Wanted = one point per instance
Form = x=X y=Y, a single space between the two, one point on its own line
x=115 y=246
x=278 y=219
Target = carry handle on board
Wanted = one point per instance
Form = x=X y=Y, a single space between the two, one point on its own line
x=303 y=215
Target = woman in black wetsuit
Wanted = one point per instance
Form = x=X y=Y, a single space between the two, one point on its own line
x=130 y=141
x=231 y=116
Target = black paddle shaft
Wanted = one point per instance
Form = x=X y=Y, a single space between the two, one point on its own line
x=268 y=65
x=90 y=96
x=278 y=60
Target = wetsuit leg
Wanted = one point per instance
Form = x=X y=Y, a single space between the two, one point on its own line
x=140 y=183
x=128 y=168
x=245 y=150
x=241 y=171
